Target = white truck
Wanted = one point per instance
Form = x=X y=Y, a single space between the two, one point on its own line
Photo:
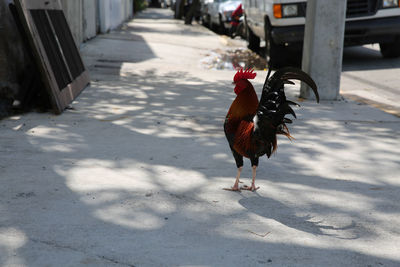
x=281 y=24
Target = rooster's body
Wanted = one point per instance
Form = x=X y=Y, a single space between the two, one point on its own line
x=251 y=126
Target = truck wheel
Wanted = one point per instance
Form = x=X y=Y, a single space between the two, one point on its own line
x=252 y=40
x=390 y=50
x=275 y=54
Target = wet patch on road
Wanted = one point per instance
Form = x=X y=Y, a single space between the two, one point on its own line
x=233 y=59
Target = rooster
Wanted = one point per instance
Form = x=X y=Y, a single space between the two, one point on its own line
x=251 y=127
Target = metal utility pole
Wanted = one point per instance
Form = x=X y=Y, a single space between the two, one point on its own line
x=323 y=46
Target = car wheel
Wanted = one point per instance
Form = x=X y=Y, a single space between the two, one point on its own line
x=221 y=26
x=390 y=50
x=241 y=30
x=205 y=21
x=214 y=27
x=275 y=54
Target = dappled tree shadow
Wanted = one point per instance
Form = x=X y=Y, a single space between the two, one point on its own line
x=132 y=175
x=121 y=178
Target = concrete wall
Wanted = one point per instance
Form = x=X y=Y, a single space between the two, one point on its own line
x=73 y=11
x=89 y=17
x=113 y=13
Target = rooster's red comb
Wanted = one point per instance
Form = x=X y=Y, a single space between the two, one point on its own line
x=247 y=74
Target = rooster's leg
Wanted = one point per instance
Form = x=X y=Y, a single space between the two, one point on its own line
x=235 y=187
x=253 y=181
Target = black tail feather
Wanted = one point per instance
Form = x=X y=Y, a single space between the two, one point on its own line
x=273 y=107
x=282 y=76
x=273 y=102
x=292 y=103
x=288 y=82
x=286 y=120
x=289 y=110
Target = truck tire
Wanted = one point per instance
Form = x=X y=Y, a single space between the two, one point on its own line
x=276 y=55
x=253 y=41
x=390 y=50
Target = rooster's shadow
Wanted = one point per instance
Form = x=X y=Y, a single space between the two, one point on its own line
x=286 y=215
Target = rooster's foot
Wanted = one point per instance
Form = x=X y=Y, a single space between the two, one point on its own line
x=250 y=188
x=233 y=188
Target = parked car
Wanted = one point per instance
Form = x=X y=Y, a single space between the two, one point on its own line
x=217 y=13
x=237 y=23
x=167 y=3
x=205 y=16
x=281 y=24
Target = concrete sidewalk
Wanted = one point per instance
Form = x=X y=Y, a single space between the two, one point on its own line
x=132 y=174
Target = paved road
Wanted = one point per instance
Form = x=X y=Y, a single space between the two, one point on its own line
x=132 y=174
x=370 y=79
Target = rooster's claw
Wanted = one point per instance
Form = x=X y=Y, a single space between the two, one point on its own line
x=250 y=188
x=237 y=189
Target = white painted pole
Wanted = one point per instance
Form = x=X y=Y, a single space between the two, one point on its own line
x=323 y=47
